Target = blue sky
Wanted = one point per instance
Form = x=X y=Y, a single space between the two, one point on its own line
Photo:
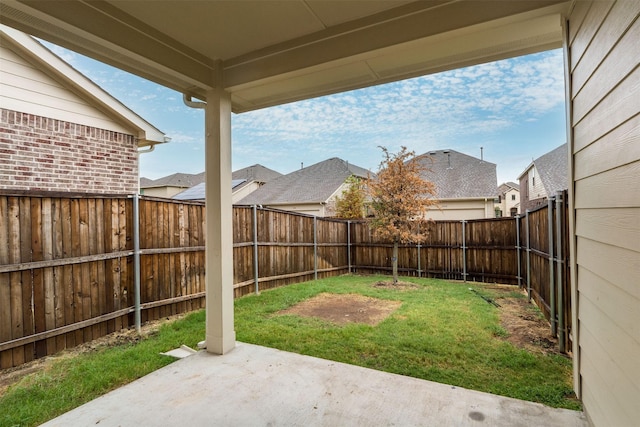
x=513 y=108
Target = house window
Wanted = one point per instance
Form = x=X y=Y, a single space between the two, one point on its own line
x=514 y=211
x=513 y=197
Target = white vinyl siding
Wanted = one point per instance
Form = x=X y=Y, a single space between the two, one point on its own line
x=457 y=210
x=605 y=103
x=536 y=188
x=26 y=89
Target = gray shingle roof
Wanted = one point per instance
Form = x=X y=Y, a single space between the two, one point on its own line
x=184 y=180
x=145 y=182
x=256 y=173
x=459 y=176
x=253 y=173
x=552 y=169
x=504 y=187
x=313 y=184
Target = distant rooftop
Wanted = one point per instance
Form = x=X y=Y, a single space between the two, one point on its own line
x=240 y=178
x=552 y=169
x=181 y=180
x=460 y=176
x=313 y=184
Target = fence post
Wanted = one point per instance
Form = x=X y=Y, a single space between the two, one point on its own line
x=518 y=249
x=464 y=252
x=315 y=248
x=552 y=283
x=528 y=255
x=255 y=248
x=136 y=259
x=559 y=261
x=349 y=244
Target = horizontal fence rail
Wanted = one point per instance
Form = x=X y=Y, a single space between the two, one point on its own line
x=67 y=263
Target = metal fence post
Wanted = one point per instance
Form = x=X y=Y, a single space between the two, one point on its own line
x=528 y=255
x=255 y=248
x=552 y=284
x=136 y=259
x=559 y=262
x=349 y=244
x=419 y=256
x=464 y=252
x=315 y=248
x=518 y=249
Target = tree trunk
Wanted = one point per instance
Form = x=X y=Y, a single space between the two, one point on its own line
x=394 y=262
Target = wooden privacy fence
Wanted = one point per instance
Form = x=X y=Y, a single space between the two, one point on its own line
x=68 y=263
x=67 y=268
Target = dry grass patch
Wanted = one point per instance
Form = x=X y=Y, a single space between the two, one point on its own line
x=345 y=308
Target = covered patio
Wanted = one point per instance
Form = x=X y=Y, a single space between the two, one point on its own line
x=246 y=55
x=259 y=386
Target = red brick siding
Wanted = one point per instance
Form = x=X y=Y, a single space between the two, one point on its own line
x=39 y=153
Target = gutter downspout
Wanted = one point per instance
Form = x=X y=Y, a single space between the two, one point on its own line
x=148 y=149
x=189 y=102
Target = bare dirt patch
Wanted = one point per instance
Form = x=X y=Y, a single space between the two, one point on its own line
x=526 y=327
x=345 y=308
x=401 y=286
x=11 y=376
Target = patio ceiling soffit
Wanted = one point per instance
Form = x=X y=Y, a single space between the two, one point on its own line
x=318 y=57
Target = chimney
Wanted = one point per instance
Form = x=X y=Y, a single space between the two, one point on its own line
x=301 y=165
x=448 y=158
x=481 y=155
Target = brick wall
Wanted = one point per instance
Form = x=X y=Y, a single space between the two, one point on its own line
x=39 y=153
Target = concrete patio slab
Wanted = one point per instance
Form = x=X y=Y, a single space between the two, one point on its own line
x=260 y=386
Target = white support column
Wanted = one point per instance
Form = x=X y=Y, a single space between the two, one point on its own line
x=220 y=333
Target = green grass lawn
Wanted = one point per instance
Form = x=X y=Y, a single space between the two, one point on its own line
x=441 y=332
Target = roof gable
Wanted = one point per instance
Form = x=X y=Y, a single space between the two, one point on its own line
x=313 y=184
x=552 y=169
x=80 y=90
x=459 y=176
x=254 y=173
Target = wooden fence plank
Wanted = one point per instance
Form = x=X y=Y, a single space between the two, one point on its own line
x=58 y=284
x=26 y=277
x=6 y=357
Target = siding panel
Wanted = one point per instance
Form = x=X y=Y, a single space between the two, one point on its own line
x=611 y=226
x=615 y=188
x=614 y=381
x=619 y=266
x=26 y=89
x=613 y=69
x=617 y=148
x=617 y=107
x=621 y=15
x=619 y=306
x=588 y=28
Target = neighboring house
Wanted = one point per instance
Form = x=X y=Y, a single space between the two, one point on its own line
x=249 y=179
x=61 y=132
x=545 y=176
x=169 y=186
x=311 y=190
x=244 y=182
x=466 y=186
x=508 y=200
